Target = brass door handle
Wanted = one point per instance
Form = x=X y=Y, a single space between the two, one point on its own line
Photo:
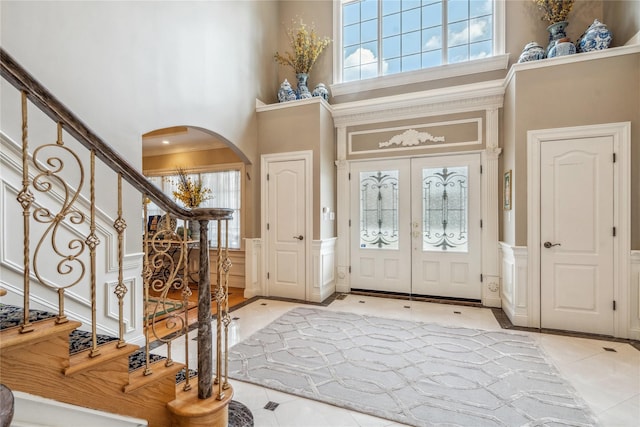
x=298 y=237
x=550 y=245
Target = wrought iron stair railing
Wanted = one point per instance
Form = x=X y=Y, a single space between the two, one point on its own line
x=60 y=171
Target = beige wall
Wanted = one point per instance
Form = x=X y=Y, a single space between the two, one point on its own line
x=319 y=14
x=130 y=67
x=523 y=25
x=299 y=128
x=551 y=97
x=625 y=15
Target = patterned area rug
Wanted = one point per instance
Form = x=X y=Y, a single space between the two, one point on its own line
x=420 y=374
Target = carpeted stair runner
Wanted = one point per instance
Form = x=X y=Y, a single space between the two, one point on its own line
x=12 y=316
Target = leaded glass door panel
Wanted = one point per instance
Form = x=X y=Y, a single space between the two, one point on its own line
x=445 y=203
x=380 y=232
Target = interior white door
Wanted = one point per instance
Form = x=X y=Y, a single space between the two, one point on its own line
x=380 y=233
x=286 y=228
x=576 y=233
x=446 y=232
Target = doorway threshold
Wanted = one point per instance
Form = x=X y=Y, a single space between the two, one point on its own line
x=422 y=298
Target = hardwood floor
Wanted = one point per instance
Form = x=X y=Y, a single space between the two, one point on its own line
x=161 y=327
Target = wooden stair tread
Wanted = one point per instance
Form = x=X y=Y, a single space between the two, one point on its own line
x=137 y=378
x=83 y=360
x=43 y=330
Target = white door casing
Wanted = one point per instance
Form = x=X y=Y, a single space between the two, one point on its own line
x=620 y=134
x=576 y=228
x=447 y=265
x=286 y=223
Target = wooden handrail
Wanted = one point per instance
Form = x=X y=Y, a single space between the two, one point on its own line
x=58 y=112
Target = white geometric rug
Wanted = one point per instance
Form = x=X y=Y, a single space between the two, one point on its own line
x=420 y=374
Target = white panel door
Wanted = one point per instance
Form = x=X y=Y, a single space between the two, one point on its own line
x=286 y=227
x=576 y=233
x=380 y=233
x=446 y=233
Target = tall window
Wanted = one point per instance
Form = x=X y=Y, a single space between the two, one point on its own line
x=384 y=37
x=226 y=190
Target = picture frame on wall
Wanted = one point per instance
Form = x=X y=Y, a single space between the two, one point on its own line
x=507 y=191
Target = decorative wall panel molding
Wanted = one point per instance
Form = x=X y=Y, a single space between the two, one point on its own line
x=466 y=132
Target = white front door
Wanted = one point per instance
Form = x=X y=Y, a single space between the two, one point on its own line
x=446 y=249
x=415 y=226
x=380 y=233
x=576 y=234
x=286 y=229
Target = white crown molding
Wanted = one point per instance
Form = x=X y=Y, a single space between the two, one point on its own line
x=455 y=99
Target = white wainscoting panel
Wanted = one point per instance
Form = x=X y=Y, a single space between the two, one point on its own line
x=514 y=291
x=253 y=268
x=324 y=269
x=634 y=296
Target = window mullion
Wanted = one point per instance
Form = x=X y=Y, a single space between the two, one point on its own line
x=380 y=53
x=445 y=31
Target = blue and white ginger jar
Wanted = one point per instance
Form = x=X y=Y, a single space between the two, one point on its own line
x=596 y=37
x=562 y=47
x=286 y=93
x=532 y=52
x=322 y=91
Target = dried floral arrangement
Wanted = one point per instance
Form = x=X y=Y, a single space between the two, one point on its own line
x=554 y=10
x=190 y=193
x=306 y=45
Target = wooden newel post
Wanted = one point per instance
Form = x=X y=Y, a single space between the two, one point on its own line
x=205 y=340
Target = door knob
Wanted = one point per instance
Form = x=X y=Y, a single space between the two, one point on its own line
x=550 y=245
x=298 y=237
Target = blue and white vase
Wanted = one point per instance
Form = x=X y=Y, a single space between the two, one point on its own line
x=532 y=52
x=596 y=37
x=556 y=32
x=302 y=91
x=286 y=93
x=321 y=91
x=562 y=47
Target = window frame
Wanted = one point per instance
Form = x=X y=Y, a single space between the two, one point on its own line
x=498 y=61
x=240 y=167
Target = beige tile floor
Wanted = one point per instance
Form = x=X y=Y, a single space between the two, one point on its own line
x=608 y=381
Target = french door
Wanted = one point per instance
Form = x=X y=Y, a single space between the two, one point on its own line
x=415 y=226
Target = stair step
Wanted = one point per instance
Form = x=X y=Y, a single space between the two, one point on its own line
x=160 y=372
x=83 y=360
x=12 y=338
x=12 y=316
x=80 y=342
